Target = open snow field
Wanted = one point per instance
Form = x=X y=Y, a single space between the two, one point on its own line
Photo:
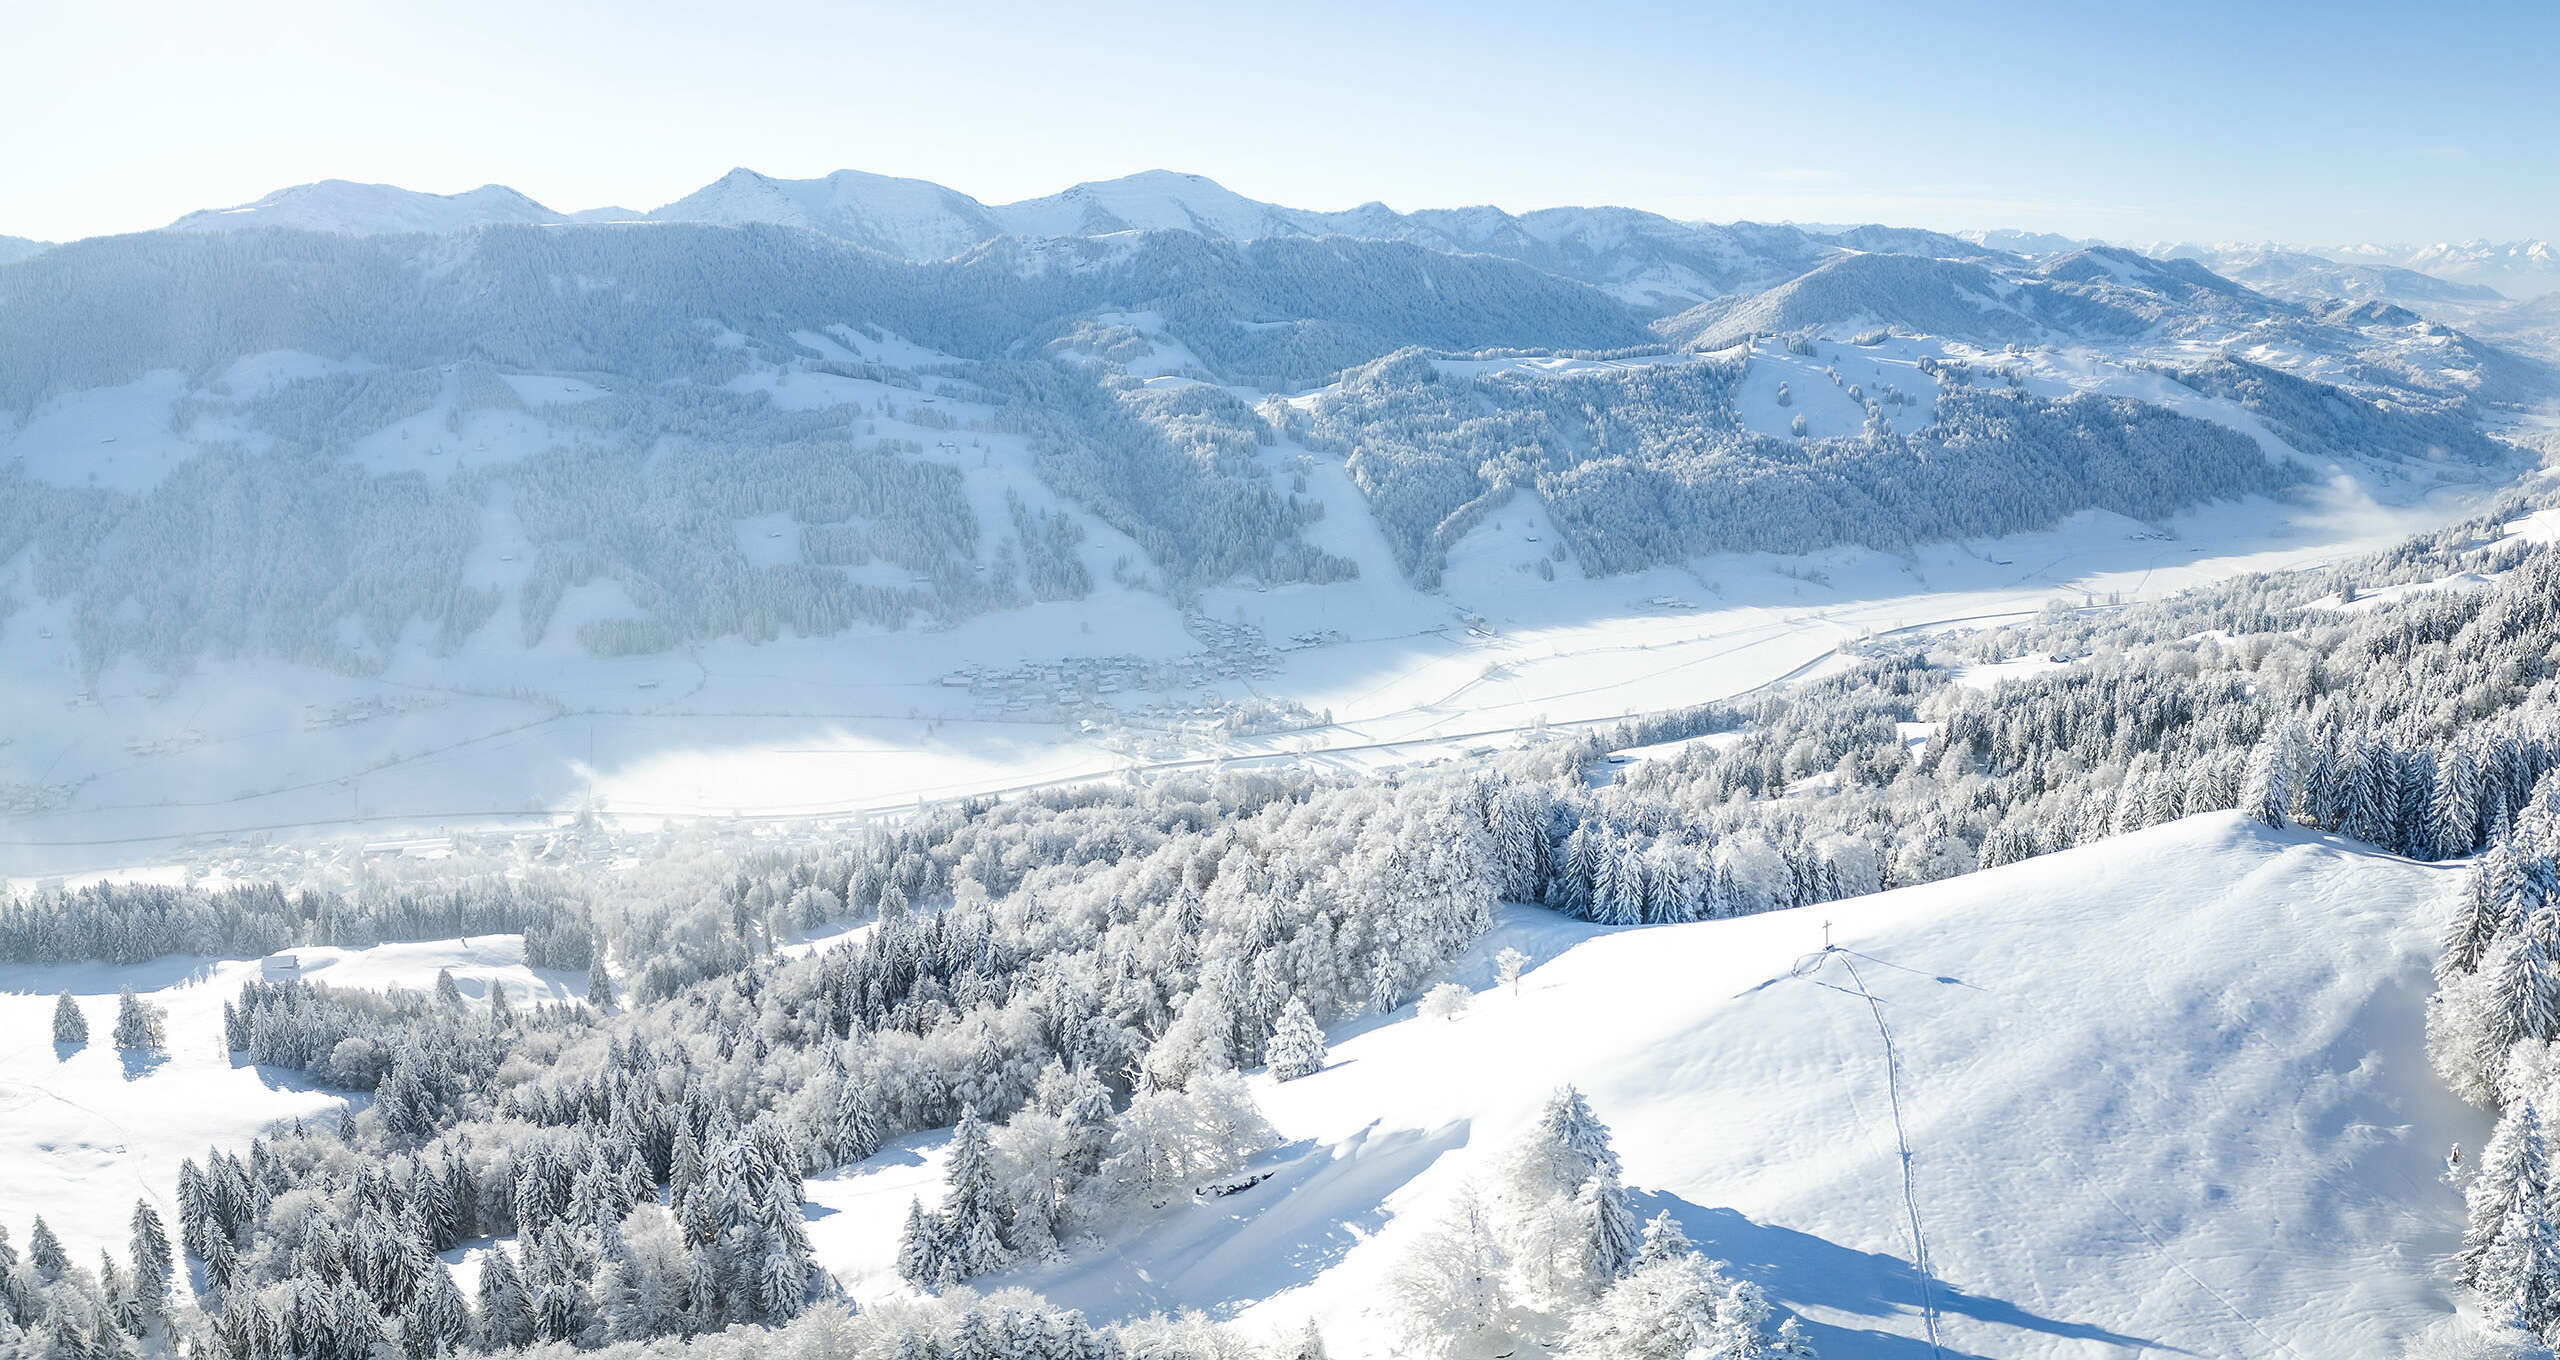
x=84 y=1131
x=2161 y=1095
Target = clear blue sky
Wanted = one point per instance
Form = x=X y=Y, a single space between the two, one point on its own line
x=2313 y=123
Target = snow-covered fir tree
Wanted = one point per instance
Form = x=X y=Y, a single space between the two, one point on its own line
x=1297 y=1046
x=69 y=1025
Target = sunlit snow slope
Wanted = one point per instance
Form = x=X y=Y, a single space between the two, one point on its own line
x=2160 y=1095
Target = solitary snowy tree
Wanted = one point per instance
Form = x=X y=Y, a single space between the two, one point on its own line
x=1447 y=1001
x=1560 y=1191
x=138 y=1023
x=69 y=1025
x=1297 y=1046
x=1508 y=966
x=1307 y=1345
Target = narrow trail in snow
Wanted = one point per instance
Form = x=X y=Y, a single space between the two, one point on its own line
x=1902 y=1145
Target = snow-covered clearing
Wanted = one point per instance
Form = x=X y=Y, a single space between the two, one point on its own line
x=85 y=1131
x=2387 y=596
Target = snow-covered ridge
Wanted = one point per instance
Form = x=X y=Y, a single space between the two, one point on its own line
x=346 y=208
x=1639 y=257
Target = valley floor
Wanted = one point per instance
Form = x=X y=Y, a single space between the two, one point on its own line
x=227 y=760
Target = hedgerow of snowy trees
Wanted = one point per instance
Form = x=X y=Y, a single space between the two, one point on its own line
x=113 y=922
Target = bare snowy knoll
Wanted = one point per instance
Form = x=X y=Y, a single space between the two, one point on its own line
x=2195 y=1050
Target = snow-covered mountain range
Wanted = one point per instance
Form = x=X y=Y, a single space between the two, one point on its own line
x=1642 y=257
x=1639 y=256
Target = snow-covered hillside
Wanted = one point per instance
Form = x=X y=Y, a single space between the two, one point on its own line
x=2159 y=1094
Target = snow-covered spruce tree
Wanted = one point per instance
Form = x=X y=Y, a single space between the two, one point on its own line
x=139 y=1026
x=2266 y=793
x=69 y=1025
x=973 y=1215
x=2514 y=1173
x=44 y=1251
x=506 y=1311
x=599 y=987
x=448 y=992
x=1564 y=1208
x=1308 y=1344
x=856 y=1124
x=2455 y=818
x=151 y=1254
x=1609 y=1222
x=921 y=1246
x=1297 y=1045
x=435 y=1322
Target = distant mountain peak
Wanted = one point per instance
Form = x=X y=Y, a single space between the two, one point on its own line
x=347 y=208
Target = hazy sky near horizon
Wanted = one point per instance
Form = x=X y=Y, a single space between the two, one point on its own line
x=2349 y=121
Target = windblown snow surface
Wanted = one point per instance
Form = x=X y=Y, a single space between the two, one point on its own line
x=2160 y=1095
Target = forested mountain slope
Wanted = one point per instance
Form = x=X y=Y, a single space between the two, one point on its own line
x=592 y=376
